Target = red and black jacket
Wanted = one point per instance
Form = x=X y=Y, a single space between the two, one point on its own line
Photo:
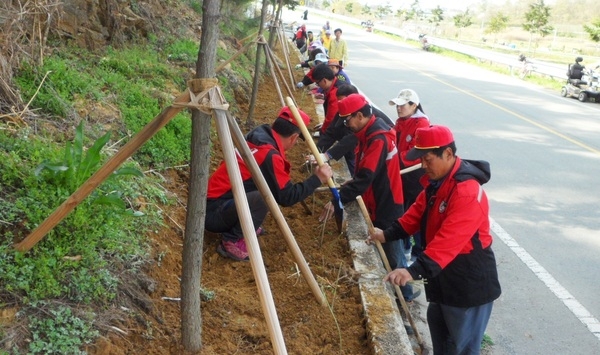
x=265 y=146
x=330 y=104
x=453 y=216
x=405 y=140
x=377 y=174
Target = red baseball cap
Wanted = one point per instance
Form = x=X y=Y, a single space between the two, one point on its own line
x=287 y=115
x=428 y=139
x=350 y=104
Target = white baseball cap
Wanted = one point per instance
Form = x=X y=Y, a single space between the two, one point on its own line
x=404 y=96
x=321 y=57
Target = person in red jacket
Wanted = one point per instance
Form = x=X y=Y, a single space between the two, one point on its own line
x=410 y=117
x=325 y=79
x=458 y=262
x=377 y=173
x=268 y=144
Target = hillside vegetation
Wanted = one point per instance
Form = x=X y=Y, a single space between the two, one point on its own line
x=78 y=79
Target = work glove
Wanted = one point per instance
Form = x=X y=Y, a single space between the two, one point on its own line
x=300 y=85
x=324 y=156
x=298 y=66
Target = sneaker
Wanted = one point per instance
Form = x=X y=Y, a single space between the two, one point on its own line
x=234 y=250
x=259 y=231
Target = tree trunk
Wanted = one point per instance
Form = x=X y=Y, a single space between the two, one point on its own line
x=191 y=318
x=257 y=68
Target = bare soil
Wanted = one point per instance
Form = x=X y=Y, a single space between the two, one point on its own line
x=233 y=322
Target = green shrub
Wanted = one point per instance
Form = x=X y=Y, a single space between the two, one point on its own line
x=59 y=331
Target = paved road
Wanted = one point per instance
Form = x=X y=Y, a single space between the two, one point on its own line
x=545 y=204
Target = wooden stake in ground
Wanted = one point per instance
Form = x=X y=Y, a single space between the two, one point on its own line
x=365 y=213
x=243 y=209
x=261 y=184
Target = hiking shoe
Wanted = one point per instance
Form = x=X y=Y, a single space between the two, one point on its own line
x=234 y=250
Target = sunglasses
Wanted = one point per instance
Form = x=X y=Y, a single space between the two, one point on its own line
x=348 y=118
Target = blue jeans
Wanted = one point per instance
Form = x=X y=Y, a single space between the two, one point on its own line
x=457 y=330
x=394 y=251
x=222 y=216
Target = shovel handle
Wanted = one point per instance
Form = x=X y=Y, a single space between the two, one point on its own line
x=309 y=140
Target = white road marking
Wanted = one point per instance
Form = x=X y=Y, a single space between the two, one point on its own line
x=559 y=291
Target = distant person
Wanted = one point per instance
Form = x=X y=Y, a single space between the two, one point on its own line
x=458 y=263
x=338 y=48
x=305 y=15
x=327 y=26
x=268 y=144
x=326 y=40
x=301 y=37
x=575 y=72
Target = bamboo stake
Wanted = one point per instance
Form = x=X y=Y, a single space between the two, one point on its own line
x=102 y=174
x=286 y=52
x=261 y=184
x=287 y=87
x=243 y=209
x=270 y=65
x=235 y=55
x=365 y=213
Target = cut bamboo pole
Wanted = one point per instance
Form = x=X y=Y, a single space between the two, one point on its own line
x=270 y=65
x=365 y=213
x=271 y=55
x=102 y=174
x=235 y=55
x=243 y=209
x=261 y=184
x=286 y=52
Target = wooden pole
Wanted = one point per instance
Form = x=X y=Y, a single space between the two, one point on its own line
x=261 y=184
x=365 y=213
x=237 y=54
x=403 y=171
x=307 y=137
x=102 y=174
x=271 y=55
x=286 y=52
x=339 y=215
x=256 y=261
x=270 y=65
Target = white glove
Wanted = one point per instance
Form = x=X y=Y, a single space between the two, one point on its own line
x=312 y=160
x=300 y=85
x=298 y=66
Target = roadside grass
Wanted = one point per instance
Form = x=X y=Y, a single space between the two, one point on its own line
x=535 y=78
x=72 y=277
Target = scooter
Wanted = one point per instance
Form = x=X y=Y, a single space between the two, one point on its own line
x=584 y=89
x=424 y=43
